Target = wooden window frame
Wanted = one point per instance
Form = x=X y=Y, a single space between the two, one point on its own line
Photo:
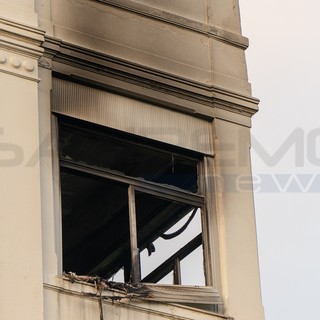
x=173 y=293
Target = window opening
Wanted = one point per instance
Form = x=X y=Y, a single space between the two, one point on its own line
x=169 y=241
x=94 y=223
x=130 y=212
x=191 y=265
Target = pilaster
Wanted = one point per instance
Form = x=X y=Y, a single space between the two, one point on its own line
x=20 y=211
x=236 y=220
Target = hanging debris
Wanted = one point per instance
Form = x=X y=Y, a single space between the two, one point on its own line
x=125 y=290
x=115 y=291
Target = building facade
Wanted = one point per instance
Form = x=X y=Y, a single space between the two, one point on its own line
x=126 y=188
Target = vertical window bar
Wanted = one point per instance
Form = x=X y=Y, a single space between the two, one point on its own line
x=177 y=271
x=135 y=264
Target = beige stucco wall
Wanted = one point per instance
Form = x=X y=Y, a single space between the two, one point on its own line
x=237 y=228
x=194 y=48
x=181 y=48
x=20 y=206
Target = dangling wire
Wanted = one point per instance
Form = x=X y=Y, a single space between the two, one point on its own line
x=179 y=231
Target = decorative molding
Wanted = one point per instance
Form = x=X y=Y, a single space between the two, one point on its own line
x=18 y=65
x=3 y=58
x=147 y=84
x=28 y=66
x=20 y=48
x=209 y=30
x=21 y=39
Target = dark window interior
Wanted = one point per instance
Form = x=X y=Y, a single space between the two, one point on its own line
x=102 y=148
x=95 y=223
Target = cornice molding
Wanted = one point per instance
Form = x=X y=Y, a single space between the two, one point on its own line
x=231 y=38
x=21 y=39
x=117 y=75
x=20 y=48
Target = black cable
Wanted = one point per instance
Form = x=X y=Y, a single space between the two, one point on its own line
x=179 y=231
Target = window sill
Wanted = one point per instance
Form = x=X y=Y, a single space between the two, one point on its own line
x=148 y=291
x=163 y=299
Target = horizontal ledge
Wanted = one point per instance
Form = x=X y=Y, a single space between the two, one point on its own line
x=112 y=73
x=24 y=30
x=16 y=74
x=19 y=37
x=180 y=21
x=144 y=83
x=21 y=47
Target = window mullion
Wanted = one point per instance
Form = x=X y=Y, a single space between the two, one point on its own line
x=177 y=271
x=135 y=263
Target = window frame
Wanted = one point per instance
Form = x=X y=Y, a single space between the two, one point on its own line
x=199 y=295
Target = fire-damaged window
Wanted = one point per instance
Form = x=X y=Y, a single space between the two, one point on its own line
x=133 y=209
